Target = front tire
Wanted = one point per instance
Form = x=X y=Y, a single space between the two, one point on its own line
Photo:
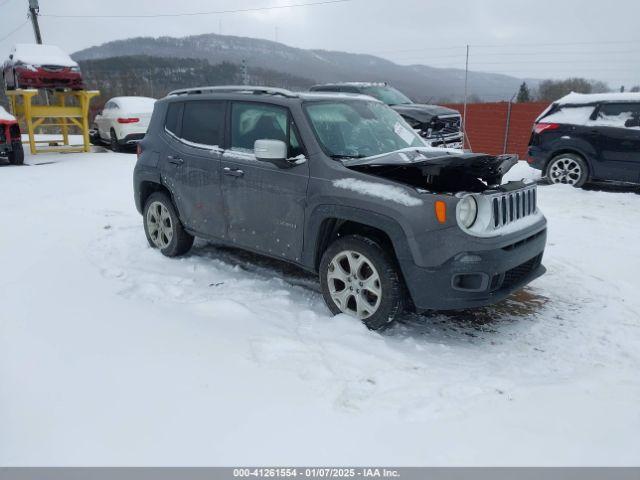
x=16 y=156
x=568 y=169
x=163 y=228
x=359 y=278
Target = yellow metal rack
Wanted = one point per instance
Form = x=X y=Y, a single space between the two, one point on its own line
x=68 y=109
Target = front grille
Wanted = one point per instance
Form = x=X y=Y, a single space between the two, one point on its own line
x=511 y=206
x=516 y=275
x=446 y=126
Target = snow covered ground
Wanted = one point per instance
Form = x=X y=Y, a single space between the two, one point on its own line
x=111 y=354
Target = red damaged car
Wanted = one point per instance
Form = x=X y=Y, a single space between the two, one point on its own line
x=10 y=141
x=41 y=66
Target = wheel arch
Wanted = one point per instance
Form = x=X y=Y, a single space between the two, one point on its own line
x=573 y=151
x=330 y=222
x=148 y=187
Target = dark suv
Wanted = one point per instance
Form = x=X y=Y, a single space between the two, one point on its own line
x=439 y=126
x=582 y=138
x=339 y=185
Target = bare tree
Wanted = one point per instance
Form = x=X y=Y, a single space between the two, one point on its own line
x=551 y=90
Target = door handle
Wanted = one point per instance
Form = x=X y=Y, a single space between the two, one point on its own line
x=233 y=172
x=175 y=160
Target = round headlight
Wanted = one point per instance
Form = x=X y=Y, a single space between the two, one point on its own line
x=467 y=211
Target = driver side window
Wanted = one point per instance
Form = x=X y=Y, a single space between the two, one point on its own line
x=255 y=121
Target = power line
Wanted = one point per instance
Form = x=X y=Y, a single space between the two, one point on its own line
x=528 y=62
x=219 y=12
x=14 y=30
x=462 y=47
x=520 y=54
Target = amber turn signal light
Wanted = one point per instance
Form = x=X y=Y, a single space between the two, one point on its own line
x=441 y=211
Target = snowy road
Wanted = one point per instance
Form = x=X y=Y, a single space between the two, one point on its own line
x=111 y=354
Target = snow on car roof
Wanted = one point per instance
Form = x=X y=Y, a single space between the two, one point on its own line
x=336 y=96
x=6 y=116
x=583 y=98
x=135 y=104
x=35 y=54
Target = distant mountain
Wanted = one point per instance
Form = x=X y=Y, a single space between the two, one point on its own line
x=421 y=82
x=156 y=76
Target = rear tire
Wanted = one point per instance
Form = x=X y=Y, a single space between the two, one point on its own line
x=361 y=279
x=94 y=138
x=114 y=145
x=16 y=156
x=163 y=228
x=568 y=169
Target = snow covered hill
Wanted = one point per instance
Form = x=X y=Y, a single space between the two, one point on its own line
x=111 y=354
x=421 y=82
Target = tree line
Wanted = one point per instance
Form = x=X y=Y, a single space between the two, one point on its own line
x=551 y=90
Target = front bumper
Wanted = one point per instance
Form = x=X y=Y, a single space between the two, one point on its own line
x=46 y=79
x=7 y=148
x=477 y=278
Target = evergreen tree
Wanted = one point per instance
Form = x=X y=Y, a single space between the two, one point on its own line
x=524 y=95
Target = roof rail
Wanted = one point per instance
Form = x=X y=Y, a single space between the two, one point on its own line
x=235 y=89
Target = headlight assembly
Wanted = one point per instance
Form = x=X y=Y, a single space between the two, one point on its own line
x=467 y=211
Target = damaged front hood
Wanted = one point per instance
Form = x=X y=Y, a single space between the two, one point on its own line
x=438 y=169
x=424 y=113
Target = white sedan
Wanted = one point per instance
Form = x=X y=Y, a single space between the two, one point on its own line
x=123 y=121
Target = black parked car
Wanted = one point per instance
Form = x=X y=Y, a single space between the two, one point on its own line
x=339 y=185
x=439 y=126
x=583 y=138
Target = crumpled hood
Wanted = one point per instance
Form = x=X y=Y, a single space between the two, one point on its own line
x=422 y=112
x=438 y=169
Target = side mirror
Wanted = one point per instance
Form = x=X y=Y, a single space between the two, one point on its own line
x=272 y=151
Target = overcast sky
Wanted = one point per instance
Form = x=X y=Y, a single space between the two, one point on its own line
x=539 y=39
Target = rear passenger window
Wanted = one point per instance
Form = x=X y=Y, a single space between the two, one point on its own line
x=171 y=122
x=203 y=122
x=621 y=115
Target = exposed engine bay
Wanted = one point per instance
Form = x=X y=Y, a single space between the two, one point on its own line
x=438 y=171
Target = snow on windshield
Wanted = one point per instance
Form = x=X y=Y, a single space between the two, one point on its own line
x=34 y=54
x=360 y=128
x=6 y=116
x=378 y=190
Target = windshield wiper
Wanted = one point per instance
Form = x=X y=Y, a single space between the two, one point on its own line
x=347 y=157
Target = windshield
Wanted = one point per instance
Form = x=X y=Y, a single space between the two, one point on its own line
x=358 y=129
x=388 y=95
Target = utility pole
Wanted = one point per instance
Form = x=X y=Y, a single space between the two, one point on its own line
x=245 y=72
x=466 y=86
x=34 y=8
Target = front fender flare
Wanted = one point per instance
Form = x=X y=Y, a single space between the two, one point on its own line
x=321 y=213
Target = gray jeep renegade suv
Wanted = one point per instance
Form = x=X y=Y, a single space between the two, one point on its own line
x=340 y=185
